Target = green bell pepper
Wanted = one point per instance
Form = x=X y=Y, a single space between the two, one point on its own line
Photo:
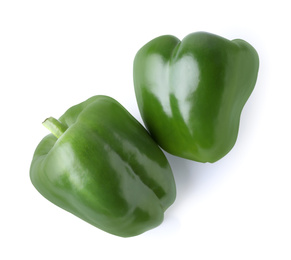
x=191 y=93
x=100 y=164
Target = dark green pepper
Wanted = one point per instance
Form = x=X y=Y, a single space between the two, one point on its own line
x=191 y=92
x=101 y=165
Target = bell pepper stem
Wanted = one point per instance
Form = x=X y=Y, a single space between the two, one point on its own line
x=55 y=126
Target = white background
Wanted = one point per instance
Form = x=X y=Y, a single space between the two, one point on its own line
x=55 y=54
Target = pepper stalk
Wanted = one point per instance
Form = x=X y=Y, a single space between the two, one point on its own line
x=56 y=127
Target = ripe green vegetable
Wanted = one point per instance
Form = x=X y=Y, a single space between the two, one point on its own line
x=191 y=93
x=101 y=165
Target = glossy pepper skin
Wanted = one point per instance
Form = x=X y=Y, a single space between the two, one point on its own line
x=191 y=93
x=104 y=167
